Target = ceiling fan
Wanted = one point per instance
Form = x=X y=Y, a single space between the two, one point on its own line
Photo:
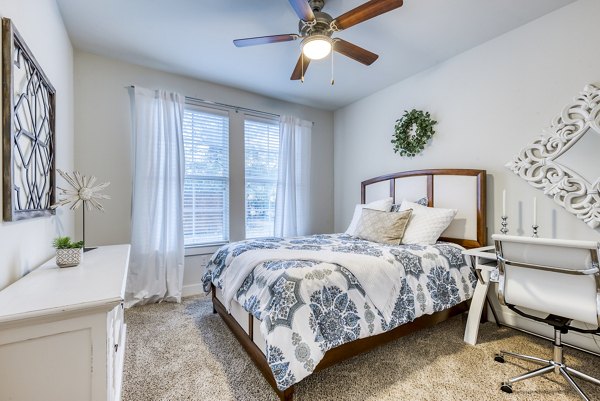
x=316 y=28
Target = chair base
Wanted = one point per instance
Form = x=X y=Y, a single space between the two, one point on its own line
x=556 y=365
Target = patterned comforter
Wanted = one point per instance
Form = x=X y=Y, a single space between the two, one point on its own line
x=307 y=307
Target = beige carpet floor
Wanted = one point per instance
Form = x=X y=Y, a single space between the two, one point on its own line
x=184 y=352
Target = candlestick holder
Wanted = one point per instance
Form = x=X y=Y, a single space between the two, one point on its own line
x=504 y=223
x=535 y=230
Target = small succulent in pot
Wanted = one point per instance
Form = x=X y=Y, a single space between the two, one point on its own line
x=68 y=253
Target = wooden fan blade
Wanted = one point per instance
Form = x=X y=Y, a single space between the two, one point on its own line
x=366 y=11
x=302 y=9
x=263 y=40
x=298 y=73
x=354 y=52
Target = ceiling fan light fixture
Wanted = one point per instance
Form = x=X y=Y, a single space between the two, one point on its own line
x=316 y=47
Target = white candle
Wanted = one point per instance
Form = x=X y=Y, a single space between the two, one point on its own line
x=535 y=211
x=504 y=202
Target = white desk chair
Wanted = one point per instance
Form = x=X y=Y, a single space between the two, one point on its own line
x=560 y=278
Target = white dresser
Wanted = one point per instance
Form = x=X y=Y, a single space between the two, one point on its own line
x=62 y=335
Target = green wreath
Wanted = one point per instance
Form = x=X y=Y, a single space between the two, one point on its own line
x=405 y=142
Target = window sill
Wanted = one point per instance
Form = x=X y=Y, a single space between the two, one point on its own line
x=208 y=249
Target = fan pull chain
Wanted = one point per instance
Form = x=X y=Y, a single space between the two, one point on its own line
x=302 y=61
x=332 y=80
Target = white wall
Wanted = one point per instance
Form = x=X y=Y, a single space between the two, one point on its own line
x=26 y=244
x=490 y=102
x=102 y=145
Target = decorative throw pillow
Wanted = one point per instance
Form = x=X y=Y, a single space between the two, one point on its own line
x=423 y=202
x=382 y=204
x=382 y=227
x=426 y=223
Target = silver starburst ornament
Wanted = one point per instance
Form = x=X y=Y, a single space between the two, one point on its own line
x=83 y=191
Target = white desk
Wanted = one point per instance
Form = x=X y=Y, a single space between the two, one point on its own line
x=483 y=261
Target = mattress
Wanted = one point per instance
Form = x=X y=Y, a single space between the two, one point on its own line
x=242 y=317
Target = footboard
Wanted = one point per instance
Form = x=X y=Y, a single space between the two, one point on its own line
x=247 y=341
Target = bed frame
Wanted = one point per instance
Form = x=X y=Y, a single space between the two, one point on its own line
x=443 y=188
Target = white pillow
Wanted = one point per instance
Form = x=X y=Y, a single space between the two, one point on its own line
x=426 y=223
x=383 y=204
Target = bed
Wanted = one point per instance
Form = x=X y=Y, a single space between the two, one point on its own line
x=299 y=305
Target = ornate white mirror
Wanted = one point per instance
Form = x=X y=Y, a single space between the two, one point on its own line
x=564 y=162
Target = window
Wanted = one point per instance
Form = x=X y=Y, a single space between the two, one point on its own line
x=207 y=218
x=206 y=185
x=261 y=139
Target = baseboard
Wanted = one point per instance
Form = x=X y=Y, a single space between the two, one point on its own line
x=192 y=289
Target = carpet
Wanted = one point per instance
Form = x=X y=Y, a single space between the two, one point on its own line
x=185 y=352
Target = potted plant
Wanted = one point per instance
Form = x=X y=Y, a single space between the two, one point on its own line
x=68 y=253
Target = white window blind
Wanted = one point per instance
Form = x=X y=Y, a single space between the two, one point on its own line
x=261 y=138
x=206 y=186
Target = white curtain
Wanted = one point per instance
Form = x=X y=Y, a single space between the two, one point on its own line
x=293 y=183
x=157 y=253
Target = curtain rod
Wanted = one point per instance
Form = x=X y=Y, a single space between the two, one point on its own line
x=230 y=107
x=227 y=106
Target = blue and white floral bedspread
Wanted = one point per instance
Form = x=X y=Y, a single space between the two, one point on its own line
x=307 y=307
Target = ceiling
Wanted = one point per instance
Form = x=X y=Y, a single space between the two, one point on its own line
x=194 y=38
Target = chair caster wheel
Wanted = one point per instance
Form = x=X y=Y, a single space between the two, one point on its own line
x=499 y=358
x=507 y=388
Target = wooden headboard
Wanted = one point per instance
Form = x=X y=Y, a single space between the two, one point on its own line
x=461 y=189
